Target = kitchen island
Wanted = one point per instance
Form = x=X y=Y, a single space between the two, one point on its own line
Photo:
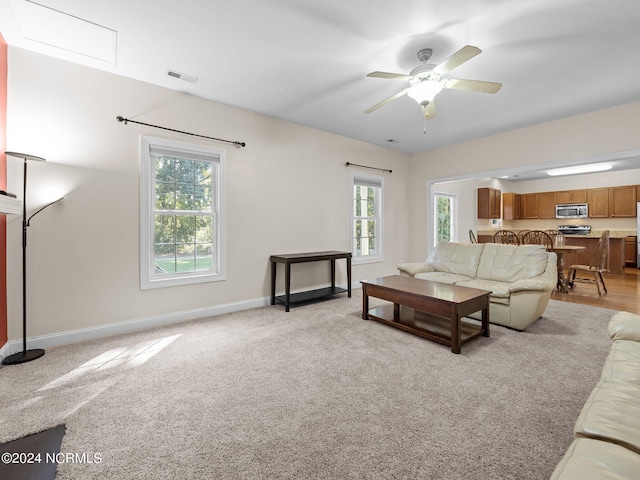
x=616 y=262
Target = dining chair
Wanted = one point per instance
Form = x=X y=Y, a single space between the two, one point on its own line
x=506 y=236
x=599 y=264
x=472 y=237
x=557 y=236
x=521 y=233
x=537 y=237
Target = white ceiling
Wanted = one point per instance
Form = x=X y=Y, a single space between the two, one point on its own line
x=306 y=61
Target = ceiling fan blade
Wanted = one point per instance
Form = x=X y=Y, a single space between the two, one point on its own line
x=472 y=85
x=394 y=76
x=429 y=110
x=464 y=54
x=386 y=100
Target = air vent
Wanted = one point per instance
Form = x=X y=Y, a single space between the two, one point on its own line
x=182 y=76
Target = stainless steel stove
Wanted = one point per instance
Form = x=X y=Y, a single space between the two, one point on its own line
x=574 y=229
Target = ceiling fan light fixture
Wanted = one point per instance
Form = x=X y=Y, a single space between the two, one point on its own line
x=425 y=91
x=595 y=167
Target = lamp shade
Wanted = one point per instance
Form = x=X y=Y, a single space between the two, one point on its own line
x=425 y=91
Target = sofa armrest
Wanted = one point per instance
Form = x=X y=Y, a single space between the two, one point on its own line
x=413 y=268
x=532 y=284
x=625 y=326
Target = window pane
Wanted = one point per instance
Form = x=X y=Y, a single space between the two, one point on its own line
x=185 y=229
x=443 y=218
x=185 y=258
x=165 y=169
x=184 y=196
x=204 y=256
x=365 y=237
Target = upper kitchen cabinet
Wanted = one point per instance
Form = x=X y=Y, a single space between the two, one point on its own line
x=598 y=200
x=489 y=202
x=529 y=205
x=572 y=196
x=547 y=204
x=622 y=201
x=511 y=206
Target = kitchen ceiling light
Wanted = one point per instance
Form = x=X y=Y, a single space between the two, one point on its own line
x=596 y=167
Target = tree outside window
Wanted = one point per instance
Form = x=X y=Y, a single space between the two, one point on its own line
x=444 y=206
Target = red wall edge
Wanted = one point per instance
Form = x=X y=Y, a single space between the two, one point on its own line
x=3 y=186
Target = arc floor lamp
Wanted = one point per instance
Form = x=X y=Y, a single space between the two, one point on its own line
x=25 y=355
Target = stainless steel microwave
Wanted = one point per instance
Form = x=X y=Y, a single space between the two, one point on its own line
x=575 y=210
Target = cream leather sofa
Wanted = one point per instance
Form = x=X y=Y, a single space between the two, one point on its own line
x=520 y=278
x=607 y=431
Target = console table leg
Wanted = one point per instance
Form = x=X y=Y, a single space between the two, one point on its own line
x=349 y=277
x=333 y=273
x=273 y=282
x=287 y=285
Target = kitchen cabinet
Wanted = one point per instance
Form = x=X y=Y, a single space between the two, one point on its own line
x=529 y=205
x=572 y=196
x=489 y=202
x=622 y=201
x=511 y=206
x=630 y=251
x=598 y=200
x=547 y=204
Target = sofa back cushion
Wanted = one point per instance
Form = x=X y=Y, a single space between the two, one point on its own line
x=509 y=263
x=457 y=258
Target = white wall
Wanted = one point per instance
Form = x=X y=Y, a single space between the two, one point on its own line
x=288 y=191
x=596 y=133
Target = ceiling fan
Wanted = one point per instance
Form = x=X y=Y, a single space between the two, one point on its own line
x=427 y=80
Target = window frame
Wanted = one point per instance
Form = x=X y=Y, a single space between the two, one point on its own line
x=379 y=183
x=148 y=278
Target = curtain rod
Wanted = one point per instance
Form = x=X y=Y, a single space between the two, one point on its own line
x=364 y=166
x=126 y=120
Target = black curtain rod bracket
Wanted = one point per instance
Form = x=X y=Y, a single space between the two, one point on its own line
x=349 y=164
x=127 y=120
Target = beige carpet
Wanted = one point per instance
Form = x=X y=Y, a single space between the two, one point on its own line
x=313 y=393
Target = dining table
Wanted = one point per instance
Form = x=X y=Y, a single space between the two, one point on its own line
x=563 y=282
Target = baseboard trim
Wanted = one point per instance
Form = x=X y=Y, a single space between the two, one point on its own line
x=73 y=336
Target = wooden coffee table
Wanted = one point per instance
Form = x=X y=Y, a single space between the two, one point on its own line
x=429 y=309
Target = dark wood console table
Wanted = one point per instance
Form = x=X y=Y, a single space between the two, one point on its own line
x=290 y=258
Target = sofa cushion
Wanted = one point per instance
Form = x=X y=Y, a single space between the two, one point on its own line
x=623 y=362
x=625 y=326
x=442 y=277
x=612 y=414
x=508 y=263
x=457 y=258
x=500 y=292
x=587 y=459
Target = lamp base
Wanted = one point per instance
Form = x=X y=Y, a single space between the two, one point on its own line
x=23 y=357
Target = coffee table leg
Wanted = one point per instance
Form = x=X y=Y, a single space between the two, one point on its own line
x=365 y=303
x=396 y=312
x=485 y=321
x=455 y=333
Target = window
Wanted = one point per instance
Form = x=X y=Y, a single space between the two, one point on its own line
x=182 y=234
x=366 y=225
x=444 y=217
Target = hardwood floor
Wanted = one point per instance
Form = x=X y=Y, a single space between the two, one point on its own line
x=623 y=292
